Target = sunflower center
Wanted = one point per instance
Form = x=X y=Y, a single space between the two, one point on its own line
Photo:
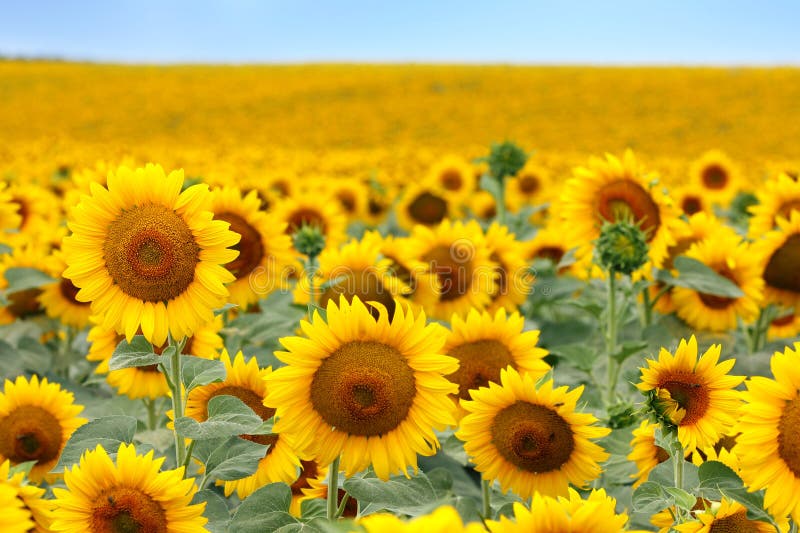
x=269 y=439
x=479 y=363
x=30 y=433
x=375 y=207
x=248 y=397
x=532 y=437
x=308 y=470
x=127 y=510
x=786 y=209
x=677 y=249
x=528 y=184
x=363 y=388
x=23 y=211
x=719 y=302
x=305 y=217
x=690 y=395
x=24 y=303
x=783 y=269
x=347 y=201
x=502 y=277
x=250 y=248
x=789 y=436
x=451 y=180
x=691 y=205
x=784 y=320
x=553 y=253
x=627 y=200
x=453 y=269
x=735 y=523
x=150 y=253
x=715 y=177
x=69 y=291
x=367 y=285
x=427 y=209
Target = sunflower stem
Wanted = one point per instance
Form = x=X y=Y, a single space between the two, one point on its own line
x=310 y=268
x=177 y=398
x=677 y=462
x=333 y=489
x=150 y=404
x=611 y=337
x=487 y=499
x=188 y=456
x=501 y=202
x=647 y=308
x=342 y=505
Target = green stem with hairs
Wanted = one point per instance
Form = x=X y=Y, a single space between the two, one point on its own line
x=486 y=485
x=611 y=337
x=677 y=462
x=333 y=489
x=647 y=307
x=310 y=268
x=177 y=398
x=150 y=404
x=501 y=201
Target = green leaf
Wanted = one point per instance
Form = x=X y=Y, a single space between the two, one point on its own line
x=580 y=356
x=25 y=468
x=33 y=355
x=716 y=475
x=216 y=510
x=695 y=275
x=224 y=308
x=23 y=278
x=411 y=496
x=5 y=249
x=682 y=499
x=139 y=352
x=267 y=509
x=490 y=185
x=650 y=498
x=320 y=525
x=227 y=416
x=196 y=371
x=236 y=458
x=109 y=432
x=629 y=348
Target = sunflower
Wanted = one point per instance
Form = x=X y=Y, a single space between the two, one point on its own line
x=27 y=499
x=444 y=519
x=147 y=255
x=38 y=209
x=264 y=248
x=595 y=514
x=485 y=344
x=644 y=452
x=82 y=178
x=58 y=299
x=36 y=420
x=721 y=451
x=246 y=381
x=317 y=209
x=531 y=440
x=785 y=326
x=131 y=495
x=729 y=516
x=716 y=176
x=369 y=389
x=25 y=303
x=351 y=195
x=311 y=483
x=147 y=381
x=697 y=396
x=425 y=205
x=380 y=198
x=356 y=269
x=611 y=190
x=780 y=251
x=528 y=187
x=682 y=234
x=14 y=517
x=548 y=244
x=777 y=198
x=514 y=277
x=483 y=205
x=453 y=176
x=769 y=441
x=10 y=219
x=730 y=257
x=459 y=257
x=691 y=201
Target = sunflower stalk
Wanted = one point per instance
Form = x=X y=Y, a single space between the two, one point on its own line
x=342 y=505
x=150 y=404
x=611 y=337
x=677 y=462
x=487 y=499
x=177 y=397
x=333 y=489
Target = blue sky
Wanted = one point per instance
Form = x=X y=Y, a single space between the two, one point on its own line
x=732 y=32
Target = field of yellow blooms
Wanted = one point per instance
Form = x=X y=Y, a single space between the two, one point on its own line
x=343 y=298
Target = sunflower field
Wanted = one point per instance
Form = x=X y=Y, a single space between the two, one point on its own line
x=344 y=298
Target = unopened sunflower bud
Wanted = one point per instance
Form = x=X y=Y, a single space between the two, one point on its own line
x=622 y=415
x=309 y=240
x=506 y=159
x=621 y=247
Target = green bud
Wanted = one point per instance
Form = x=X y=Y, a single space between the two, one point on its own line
x=309 y=240
x=622 y=415
x=505 y=159
x=621 y=247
